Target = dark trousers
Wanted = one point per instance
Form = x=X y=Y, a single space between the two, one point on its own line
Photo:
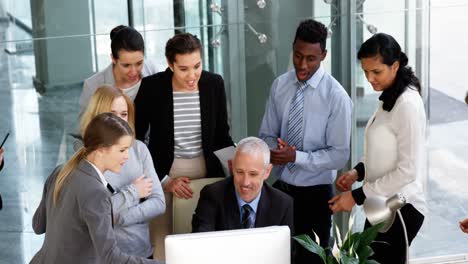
x=390 y=247
x=311 y=212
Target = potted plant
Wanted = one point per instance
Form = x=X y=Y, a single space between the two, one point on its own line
x=354 y=249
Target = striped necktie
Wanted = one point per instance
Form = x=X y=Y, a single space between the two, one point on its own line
x=295 y=120
x=247 y=216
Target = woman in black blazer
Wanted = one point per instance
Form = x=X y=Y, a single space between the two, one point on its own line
x=183 y=100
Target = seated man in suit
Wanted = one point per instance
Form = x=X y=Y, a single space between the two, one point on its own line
x=244 y=201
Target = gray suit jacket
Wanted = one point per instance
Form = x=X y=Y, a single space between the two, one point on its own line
x=79 y=228
x=106 y=76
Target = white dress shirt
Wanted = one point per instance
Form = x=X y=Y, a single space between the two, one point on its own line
x=101 y=176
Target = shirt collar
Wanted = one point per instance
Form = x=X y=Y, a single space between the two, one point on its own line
x=103 y=180
x=253 y=204
x=315 y=79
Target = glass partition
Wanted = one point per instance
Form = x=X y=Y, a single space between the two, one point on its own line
x=447 y=141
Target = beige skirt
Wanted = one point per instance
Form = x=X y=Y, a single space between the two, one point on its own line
x=162 y=225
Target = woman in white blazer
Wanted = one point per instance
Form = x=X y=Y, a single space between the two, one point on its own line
x=75 y=212
x=127 y=69
x=394 y=153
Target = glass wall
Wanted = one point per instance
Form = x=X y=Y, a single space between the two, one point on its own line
x=447 y=141
x=51 y=46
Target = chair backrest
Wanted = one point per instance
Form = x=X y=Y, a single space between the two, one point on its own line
x=183 y=209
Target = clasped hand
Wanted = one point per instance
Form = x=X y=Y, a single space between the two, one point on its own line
x=342 y=202
x=284 y=154
x=345 y=200
x=179 y=187
x=346 y=180
x=144 y=186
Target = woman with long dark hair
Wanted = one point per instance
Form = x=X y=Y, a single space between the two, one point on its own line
x=394 y=151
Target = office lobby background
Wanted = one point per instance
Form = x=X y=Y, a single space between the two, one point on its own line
x=48 y=47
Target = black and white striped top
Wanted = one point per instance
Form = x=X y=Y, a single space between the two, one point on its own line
x=187 y=125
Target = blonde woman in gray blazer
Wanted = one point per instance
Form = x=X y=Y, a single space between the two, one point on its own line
x=75 y=212
x=127 y=68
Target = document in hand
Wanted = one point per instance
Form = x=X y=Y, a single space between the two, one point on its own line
x=224 y=155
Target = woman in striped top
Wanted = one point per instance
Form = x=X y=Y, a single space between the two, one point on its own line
x=186 y=110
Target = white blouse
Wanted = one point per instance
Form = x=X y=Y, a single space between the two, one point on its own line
x=394 y=151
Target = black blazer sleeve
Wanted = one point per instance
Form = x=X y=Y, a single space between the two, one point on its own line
x=215 y=127
x=142 y=110
x=222 y=137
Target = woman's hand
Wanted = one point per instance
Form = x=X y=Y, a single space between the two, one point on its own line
x=464 y=225
x=179 y=187
x=346 y=180
x=144 y=186
x=342 y=202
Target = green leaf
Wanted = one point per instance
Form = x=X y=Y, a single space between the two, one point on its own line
x=369 y=234
x=352 y=241
x=331 y=260
x=348 y=240
x=311 y=246
x=356 y=240
x=364 y=253
x=345 y=259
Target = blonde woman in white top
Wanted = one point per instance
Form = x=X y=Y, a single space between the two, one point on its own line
x=393 y=146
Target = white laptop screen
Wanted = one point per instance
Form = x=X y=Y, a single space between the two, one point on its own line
x=267 y=245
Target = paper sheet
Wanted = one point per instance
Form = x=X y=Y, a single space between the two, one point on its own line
x=224 y=155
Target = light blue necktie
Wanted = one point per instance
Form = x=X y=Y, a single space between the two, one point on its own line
x=295 y=133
